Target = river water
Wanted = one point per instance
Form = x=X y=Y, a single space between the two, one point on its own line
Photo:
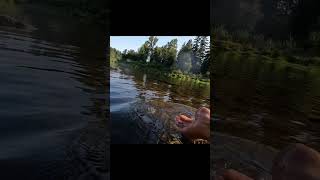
x=53 y=95
x=270 y=102
x=128 y=85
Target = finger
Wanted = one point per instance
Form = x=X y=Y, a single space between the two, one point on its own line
x=220 y=178
x=181 y=129
x=183 y=118
x=203 y=114
x=231 y=174
x=204 y=110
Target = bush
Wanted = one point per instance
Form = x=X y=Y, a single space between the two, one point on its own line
x=315 y=60
x=221 y=34
x=314 y=37
x=242 y=36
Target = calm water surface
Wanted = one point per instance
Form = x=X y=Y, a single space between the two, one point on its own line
x=128 y=85
x=274 y=103
x=52 y=87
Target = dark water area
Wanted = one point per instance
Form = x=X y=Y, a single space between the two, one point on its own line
x=270 y=102
x=129 y=85
x=53 y=96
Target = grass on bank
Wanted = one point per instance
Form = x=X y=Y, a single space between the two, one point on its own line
x=158 y=69
x=89 y=10
x=247 y=44
x=269 y=54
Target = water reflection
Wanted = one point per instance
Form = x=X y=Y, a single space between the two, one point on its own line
x=278 y=101
x=53 y=92
x=129 y=85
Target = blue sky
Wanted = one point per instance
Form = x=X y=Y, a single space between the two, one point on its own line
x=134 y=42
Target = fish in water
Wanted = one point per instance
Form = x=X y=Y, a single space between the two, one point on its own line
x=156 y=121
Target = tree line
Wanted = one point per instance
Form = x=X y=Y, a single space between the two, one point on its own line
x=95 y=9
x=193 y=56
x=274 y=19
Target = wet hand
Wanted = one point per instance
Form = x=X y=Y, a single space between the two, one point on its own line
x=231 y=174
x=199 y=128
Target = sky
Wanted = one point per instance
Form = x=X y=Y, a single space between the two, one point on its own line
x=134 y=42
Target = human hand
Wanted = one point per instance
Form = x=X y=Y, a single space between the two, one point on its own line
x=231 y=174
x=199 y=128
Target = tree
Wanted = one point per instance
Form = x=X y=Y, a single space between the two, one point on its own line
x=203 y=48
x=125 y=51
x=150 y=44
x=157 y=56
x=144 y=51
x=131 y=55
x=170 y=53
x=186 y=46
x=205 y=64
x=115 y=55
x=196 y=56
x=204 y=52
x=185 y=56
x=200 y=50
x=196 y=45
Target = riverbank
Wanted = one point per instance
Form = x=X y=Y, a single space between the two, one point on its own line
x=294 y=56
x=160 y=70
x=90 y=11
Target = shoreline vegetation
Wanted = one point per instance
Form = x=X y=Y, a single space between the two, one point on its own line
x=88 y=10
x=280 y=30
x=162 y=71
x=244 y=43
x=190 y=63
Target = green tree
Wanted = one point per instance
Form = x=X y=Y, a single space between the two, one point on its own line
x=205 y=66
x=196 y=45
x=151 y=44
x=185 y=56
x=158 y=55
x=196 y=60
x=203 y=48
x=204 y=51
x=125 y=52
x=200 y=50
x=170 y=53
x=144 y=51
x=131 y=55
x=186 y=46
x=115 y=55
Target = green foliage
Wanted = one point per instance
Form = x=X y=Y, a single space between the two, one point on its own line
x=167 y=58
x=206 y=65
x=144 y=51
x=314 y=37
x=220 y=33
x=115 y=56
x=8 y=7
x=151 y=44
x=247 y=39
x=184 y=61
x=131 y=55
x=96 y=10
x=165 y=55
x=201 y=53
x=170 y=53
x=185 y=56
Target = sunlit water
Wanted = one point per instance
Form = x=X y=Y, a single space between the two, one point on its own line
x=128 y=85
x=52 y=87
x=271 y=102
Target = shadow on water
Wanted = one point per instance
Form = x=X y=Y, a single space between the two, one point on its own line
x=277 y=101
x=129 y=85
x=54 y=94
